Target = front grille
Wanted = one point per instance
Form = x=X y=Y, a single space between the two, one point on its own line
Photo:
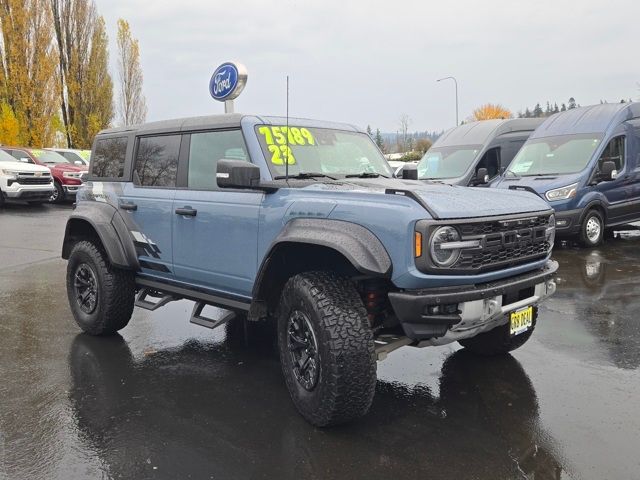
x=34 y=180
x=503 y=242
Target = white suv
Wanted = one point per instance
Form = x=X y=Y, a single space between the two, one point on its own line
x=24 y=181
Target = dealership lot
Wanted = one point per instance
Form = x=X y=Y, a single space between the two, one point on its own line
x=167 y=399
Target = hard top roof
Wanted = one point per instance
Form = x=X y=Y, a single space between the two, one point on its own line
x=227 y=120
x=482 y=132
x=592 y=119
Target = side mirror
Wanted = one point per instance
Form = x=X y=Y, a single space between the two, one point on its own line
x=237 y=174
x=608 y=171
x=410 y=172
x=482 y=176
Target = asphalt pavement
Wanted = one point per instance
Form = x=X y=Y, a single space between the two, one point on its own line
x=167 y=399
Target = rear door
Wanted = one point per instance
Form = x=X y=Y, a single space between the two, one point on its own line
x=215 y=231
x=147 y=201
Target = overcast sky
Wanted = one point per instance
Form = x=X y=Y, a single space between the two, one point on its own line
x=369 y=62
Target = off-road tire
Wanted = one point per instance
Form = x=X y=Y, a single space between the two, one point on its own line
x=115 y=291
x=498 y=341
x=585 y=241
x=345 y=350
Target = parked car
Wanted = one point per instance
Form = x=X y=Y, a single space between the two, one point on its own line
x=67 y=177
x=75 y=156
x=22 y=181
x=476 y=153
x=303 y=225
x=585 y=163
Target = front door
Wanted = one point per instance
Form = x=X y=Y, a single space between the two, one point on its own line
x=146 y=205
x=215 y=231
x=618 y=191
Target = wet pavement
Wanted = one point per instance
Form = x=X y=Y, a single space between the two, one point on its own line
x=167 y=399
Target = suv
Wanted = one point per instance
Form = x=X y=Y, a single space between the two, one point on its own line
x=67 y=177
x=23 y=181
x=300 y=223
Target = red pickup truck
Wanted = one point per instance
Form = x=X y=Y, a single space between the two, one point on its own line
x=66 y=175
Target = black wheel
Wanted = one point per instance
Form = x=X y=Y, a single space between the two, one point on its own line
x=326 y=348
x=499 y=340
x=101 y=297
x=592 y=229
x=58 y=194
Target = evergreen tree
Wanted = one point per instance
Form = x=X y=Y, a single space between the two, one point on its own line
x=369 y=131
x=537 y=111
x=380 y=141
x=563 y=108
x=572 y=104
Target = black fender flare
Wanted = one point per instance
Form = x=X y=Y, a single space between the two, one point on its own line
x=103 y=219
x=356 y=243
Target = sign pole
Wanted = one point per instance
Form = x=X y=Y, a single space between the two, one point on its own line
x=228 y=106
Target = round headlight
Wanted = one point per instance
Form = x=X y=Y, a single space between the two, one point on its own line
x=444 y=255
x=550 y=234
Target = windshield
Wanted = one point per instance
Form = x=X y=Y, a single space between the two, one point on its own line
x=554 y=155
x=45 y=156
x=447 y=162
x=5 y=157
x=334 y=153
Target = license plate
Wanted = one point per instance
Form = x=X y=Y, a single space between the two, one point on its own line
x=521 y=320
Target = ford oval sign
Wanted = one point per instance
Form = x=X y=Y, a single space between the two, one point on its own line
x=228 y=81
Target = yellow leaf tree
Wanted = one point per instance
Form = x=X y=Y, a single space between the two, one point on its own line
x=490 y=111
x=132 y=104
x=27 y=70
x=85 y=88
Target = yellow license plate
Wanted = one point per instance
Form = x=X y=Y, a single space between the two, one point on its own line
x=521 y=320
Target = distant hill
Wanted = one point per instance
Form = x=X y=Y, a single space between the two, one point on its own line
x=391 y=139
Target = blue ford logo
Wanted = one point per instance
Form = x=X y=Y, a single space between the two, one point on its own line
x=227 y=81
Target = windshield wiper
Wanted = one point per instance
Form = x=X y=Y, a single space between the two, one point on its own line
x=304 y=175
x=365 y=175
x=512 y=173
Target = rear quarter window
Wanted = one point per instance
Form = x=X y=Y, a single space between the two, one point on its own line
x=109 y=157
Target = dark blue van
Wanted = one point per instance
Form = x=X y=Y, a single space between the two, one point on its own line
x=585 y=163
x=476 y=153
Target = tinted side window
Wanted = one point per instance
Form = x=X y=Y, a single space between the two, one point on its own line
x=108 y=157
x=205 y=151
x=614 y=152
x=156 y=162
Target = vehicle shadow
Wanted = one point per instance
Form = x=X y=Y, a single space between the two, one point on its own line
x=221 y=410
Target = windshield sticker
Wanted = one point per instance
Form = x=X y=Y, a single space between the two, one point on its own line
x=281 y=152
x=37 y=153
x=281 y=135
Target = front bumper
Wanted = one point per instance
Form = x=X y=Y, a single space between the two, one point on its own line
x=70 y=190
x=28 y=192
x=568 y=222
x=445 y=315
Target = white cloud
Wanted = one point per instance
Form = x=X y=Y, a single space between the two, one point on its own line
x=367 y=62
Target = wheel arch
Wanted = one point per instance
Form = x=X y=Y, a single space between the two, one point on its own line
x=100 y=221
x=317 y=244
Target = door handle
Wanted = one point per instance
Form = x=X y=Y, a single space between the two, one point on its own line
x=187 y=211
x=132 y=207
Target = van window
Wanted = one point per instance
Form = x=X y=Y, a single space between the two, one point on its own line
x=491 y=161
x=108 y=157
x=206 y=149
x=614 y=152
x=156 y=162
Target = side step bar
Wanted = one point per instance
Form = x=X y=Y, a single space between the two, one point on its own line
x=199 y=319
x=144 y=293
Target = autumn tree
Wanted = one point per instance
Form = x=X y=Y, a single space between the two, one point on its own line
x=132 y=104
x=27 y=73
x=85 y=88
x=422 y=145
x=490 y=111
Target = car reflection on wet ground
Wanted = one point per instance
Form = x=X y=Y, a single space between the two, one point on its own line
x=170 y=400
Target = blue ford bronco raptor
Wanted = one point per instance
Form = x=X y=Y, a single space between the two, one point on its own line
x=300 y=223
